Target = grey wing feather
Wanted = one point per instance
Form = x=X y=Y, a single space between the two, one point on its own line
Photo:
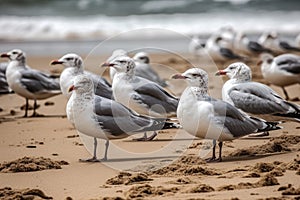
x=118 y=120
x=148 y=73
x=239 y=128
x=3 y=83
x=36 y=81
x=222 y=108
x=236 y=122
x=152 y=94
x=289 y=62
x=101 y=85
x=252 y=98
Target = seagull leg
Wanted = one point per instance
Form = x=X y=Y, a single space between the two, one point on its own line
x=220 y=152
x=213 y=158
x=146 y=138
x=26 y=108
x=34 y=107
x=285 y=93
x=106 y=150
x=94 y=158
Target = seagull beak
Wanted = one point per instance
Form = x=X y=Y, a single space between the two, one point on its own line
x=106 y=64
x=4 y=55
x=259 y=63
x=55 y=62
x=220 y=73
x=178 y=76
x=72 y=88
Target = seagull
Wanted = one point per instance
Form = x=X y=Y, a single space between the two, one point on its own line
x=245 y=46
x=205 y=117
x=28 y=83
x=73 y=64
x=116 y=53
x=272 y=41
x=139 y=94
x=143 y=68
x=253 y=97
x=4 y=88
x=228 y=33
x=216 y=48
x=196 y=46
x=103 y=118
x=283 y=70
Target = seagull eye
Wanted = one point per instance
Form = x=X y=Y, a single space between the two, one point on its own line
x=195 y=75
x=122 y=61
x=14 y=52
x=68 y=59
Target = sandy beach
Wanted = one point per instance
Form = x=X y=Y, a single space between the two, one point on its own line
x=169 y=167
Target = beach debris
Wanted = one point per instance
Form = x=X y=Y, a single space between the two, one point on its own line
x=29 y=164
x=127 y=178
x=30 y=194
x=142 y=191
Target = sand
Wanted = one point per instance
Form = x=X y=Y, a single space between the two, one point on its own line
x=40 y=156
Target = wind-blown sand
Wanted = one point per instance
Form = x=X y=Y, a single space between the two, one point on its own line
x=253 y=168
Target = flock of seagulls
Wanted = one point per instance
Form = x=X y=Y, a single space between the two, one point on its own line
x=206 y=117
x=227 y=44
x=136 y=101
x=280 y=64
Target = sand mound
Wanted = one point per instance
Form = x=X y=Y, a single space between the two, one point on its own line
x=195 y=145
x=112 y=198
x=182 y=181
x=201 y=188
x=284 y=143
x=289 y=190
x=28 y=194
x=276 y=169
x=266 y=180
x=191 y=160
x=128 y=178
x=186 y=165
x=143 y=191
x=28 y=164
x=294 y=165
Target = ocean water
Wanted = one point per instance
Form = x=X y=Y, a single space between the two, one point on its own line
x=43 y=20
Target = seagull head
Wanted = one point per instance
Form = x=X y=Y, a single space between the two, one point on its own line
x=265 y=58
x=69 y=60
x=122 y=64
x=15 y=54
x=116 y=53
x=142 y=57
x=237 y=70
x=195 y=77
x=82 y=84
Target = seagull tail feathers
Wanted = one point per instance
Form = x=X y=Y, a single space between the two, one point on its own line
x=270 y=126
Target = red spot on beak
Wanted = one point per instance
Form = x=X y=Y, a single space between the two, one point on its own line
x=178 y=76
x=56 y=62
x=220 y=73
x=4 y=55
x=107 y=64
x=259 y=63
x=71 y=88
